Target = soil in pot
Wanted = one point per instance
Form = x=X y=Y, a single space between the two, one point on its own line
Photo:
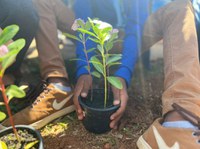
x=29 y=138
x=97 y=117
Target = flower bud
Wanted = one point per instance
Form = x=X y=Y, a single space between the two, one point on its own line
x=77 y=24
x=3 y=50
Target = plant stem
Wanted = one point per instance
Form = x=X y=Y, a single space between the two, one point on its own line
x=108 y=73
x=88 y=64
x=105 y=74
x=5 y=98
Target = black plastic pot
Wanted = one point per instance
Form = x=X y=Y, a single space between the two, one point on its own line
x=97 y=117
x=30 y=130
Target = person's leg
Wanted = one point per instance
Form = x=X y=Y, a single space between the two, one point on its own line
x=53 y=14
x=56 y=98
x=24 y=15
x=182 y=75
x=181 y=65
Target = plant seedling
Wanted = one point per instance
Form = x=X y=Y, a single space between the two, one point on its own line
x=8 y=52
x=104 y=37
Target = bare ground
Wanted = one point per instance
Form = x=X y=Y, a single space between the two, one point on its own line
x=143 y=107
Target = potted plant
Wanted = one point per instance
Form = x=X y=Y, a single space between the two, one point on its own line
x=21 y=136
x=98 y=106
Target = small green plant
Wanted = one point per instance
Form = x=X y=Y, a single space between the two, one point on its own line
x=104 y=36
x=8 y=52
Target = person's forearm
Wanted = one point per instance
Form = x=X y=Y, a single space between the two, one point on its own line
x=136 y=13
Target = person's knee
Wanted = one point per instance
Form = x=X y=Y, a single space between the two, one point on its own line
x=21 y=13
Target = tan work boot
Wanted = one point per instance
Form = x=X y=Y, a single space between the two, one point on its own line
x=159 y=137
x=52 y=103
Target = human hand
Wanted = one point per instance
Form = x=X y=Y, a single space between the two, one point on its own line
x=81 y=89
x=120 y=97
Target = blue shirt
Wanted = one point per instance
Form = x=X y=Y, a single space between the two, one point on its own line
x=136 y=12
x=156 y=4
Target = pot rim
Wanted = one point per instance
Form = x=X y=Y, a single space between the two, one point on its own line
x=21 y=126
x=112 y=107
x=37 y=133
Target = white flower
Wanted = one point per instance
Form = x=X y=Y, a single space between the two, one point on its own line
x=101 y=24
x=114 y=31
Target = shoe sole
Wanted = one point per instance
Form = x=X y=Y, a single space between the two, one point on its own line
x=41 y=123
x=142 y=144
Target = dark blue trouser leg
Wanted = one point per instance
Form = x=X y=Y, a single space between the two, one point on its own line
x=146 y=60
x=22 y=13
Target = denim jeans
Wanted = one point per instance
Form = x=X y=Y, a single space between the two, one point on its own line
x=22 y=13
x=175 y=24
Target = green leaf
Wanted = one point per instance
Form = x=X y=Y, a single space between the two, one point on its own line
x=80 y=22
x=3 y=57
x=86 y=32
x=8 y=33
x=113 y=59
x=8 y=60
x=81 y=37
x=10 y=57
x=108 y=46
x=30 y=145
x=87 y=68
x=90 y=50
x=100 y=48
x=87 y=25
x=16 y=45
x=95 y=60
x=2 y=116
x=94 y=39
x=113 y=37
x=72 y=36
x=115 y=82
x=96 y=74
x=23 y=87
x=98 y=67
x=3 y=145
x=96 y=31
x=90 y=21
x=107 y=30
x=95 y=28
x=117 y=63
x=97 y=64
x=15 y=91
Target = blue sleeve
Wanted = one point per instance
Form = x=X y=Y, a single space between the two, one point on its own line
x=82 y=9
x=156 y=4
x=137 y=12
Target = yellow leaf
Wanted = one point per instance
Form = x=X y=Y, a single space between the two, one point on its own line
x=31 y=144
x=3 y=145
